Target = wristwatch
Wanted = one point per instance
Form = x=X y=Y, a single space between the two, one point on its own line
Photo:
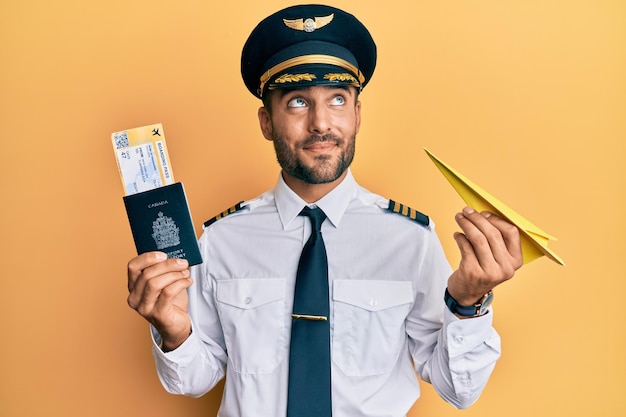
x=478 y=309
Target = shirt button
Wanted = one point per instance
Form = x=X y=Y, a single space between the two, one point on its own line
x=459 y=339
x=373 y=302
x=247 y=300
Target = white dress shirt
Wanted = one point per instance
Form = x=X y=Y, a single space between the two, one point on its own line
x=388 y=319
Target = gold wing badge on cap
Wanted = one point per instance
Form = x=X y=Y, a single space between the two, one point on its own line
x=309 y=25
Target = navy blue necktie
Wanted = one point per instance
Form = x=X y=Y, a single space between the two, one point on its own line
x=309 y=357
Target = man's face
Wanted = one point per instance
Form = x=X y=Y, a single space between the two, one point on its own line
x=313 y=131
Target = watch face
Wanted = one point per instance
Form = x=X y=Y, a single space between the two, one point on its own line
x=486 y=303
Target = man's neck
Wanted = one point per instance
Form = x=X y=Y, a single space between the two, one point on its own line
x=311 y=192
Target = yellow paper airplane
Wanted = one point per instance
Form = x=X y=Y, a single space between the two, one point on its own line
x=534 y=240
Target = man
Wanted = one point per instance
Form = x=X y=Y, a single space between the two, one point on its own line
x=394 y=304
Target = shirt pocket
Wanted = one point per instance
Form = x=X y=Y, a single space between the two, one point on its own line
x=369 y=324
x=252 y=313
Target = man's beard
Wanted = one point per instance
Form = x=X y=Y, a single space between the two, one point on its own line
x=326 y=168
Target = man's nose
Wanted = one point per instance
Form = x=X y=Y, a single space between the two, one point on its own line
x=319 y=119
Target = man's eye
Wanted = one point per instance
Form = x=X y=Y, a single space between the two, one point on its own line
x=338 y=101
x=296 y=102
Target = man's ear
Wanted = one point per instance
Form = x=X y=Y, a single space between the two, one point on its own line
x=357 y=109
x=265 y=122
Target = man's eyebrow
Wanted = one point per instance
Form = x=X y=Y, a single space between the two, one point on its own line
x=295 y=90
x=341 y=87
x=347 y=88
x=284 y=91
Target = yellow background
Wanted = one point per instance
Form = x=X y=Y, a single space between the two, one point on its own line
x=526 y=98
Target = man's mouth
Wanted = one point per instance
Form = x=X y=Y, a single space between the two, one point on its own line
x=320 y=145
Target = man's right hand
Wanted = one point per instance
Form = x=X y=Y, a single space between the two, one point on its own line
x=157 y=287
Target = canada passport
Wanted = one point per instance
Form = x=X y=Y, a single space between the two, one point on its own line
x=160 y=220
x=156 y=205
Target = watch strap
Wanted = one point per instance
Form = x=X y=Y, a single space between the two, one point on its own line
x=456 y=308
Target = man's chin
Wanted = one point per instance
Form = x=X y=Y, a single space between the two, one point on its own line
x=317 y=175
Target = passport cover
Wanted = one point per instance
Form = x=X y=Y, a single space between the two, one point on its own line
x=160 y=220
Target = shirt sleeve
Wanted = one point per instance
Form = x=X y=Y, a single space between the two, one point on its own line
x=196 y=366
x=463 y=359
x=456 y=356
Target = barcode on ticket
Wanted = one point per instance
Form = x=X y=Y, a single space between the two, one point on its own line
x=120 y=140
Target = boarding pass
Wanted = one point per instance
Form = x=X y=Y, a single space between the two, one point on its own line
x=142 y=158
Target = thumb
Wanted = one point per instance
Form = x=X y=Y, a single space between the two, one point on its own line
x=466 y=248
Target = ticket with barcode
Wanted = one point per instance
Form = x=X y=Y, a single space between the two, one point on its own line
x=142 y=158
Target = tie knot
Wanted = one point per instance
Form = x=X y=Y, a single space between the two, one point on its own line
x=316 y=215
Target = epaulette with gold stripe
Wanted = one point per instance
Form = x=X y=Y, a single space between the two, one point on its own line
x=225 y=213
x=408 y=212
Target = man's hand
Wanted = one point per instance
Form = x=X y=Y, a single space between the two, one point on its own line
x=491 y=252
x=157 y=287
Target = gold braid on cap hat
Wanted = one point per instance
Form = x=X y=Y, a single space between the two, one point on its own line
x=309 y=59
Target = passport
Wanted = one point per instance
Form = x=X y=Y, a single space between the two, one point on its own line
x=160 y=220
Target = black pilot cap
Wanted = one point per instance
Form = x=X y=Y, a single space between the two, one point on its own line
x=307 y=45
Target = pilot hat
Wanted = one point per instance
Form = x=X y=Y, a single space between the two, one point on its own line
x=307 y=45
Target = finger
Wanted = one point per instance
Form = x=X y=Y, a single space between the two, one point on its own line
x=136 y=265
x=161 y=294
x=501 y=236
x=170 y=292
x=493 y=229
x=468 y=256
x=495 y=239
x=148 y=291
x=511 y=237
x=157 y=275
x=475 y=227
x=138 y=278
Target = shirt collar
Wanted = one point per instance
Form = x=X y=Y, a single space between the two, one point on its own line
x=334 y=204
